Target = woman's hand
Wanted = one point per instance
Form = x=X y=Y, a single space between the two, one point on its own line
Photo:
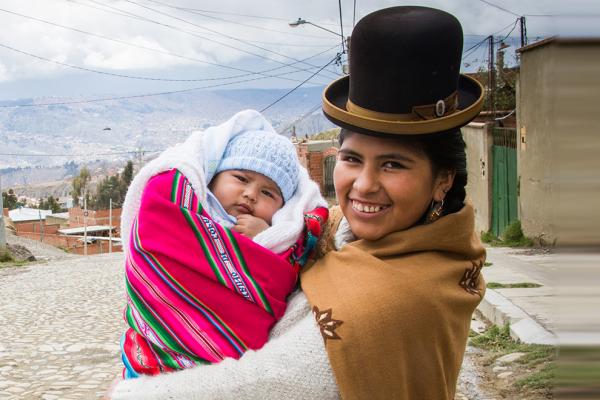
x=249 y=225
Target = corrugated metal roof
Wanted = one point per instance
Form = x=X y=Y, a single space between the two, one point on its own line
x=80 y=230
x=27 y=214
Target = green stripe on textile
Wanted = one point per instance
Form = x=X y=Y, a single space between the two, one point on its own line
x=155 y=324
x=175 y=186
x=199 y=303
x=207 y=255
x=170 y=361
x=242 y=262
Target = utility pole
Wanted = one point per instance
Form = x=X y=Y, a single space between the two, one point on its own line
x=85 y=214
x=140 y=158
x=41 y=225
x=3 y=249
x=491 y=77
x=523 y=31
x=110 y=225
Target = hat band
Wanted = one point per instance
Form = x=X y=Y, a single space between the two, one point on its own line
x=419 y=113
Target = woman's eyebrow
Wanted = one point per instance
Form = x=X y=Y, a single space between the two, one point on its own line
x=395 y=156
x=349 y=152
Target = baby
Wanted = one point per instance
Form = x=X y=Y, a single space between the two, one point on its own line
x=257 y=174
x=208 y=276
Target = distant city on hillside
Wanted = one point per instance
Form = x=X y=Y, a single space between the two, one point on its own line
x=50 y=143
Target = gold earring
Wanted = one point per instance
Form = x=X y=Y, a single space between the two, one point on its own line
x=435 y=211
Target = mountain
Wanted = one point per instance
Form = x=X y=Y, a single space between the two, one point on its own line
x=45 y=143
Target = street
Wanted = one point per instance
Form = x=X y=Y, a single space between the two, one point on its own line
x=60 y=324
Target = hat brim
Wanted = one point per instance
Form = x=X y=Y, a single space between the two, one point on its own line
x=335 y=97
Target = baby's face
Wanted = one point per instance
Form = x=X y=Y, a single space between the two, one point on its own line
x=247 y=192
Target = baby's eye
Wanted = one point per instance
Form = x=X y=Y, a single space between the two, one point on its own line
x=268 y=194
x=241 y=178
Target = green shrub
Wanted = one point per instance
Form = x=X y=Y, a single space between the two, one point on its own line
x=513 y=236
x=5 y=256
x=488 y=237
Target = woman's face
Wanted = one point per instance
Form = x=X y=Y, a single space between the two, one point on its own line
x=383 y=185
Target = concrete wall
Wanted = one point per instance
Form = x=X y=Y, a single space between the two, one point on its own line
x=72 y=244
x=478 y=138
x=537 y=133
x=558 y=124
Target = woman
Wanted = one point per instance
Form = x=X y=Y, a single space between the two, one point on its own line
x=397 y=277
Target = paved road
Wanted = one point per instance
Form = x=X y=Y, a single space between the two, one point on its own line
x=60 y=324
x=59 y=328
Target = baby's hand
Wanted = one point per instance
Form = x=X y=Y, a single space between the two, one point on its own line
x=249 y=225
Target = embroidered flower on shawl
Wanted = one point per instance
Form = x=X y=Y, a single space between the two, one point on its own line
x=327 y=324
x=470 y=279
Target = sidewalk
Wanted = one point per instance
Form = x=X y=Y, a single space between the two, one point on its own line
x=530 y=311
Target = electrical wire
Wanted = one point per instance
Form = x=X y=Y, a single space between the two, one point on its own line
x=508 y=34
x=247 y=72
x=224 y=35
x=80 y=155
x=337 y=57
x=114 y=74
x=138 y=95
x=303 y=116
x=234 y=22
x=342 y=27
x=499 y=8
x=135 y=16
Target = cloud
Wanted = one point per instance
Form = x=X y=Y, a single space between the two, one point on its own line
x=207 y=41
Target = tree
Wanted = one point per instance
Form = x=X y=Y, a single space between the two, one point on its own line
x=80 y=184
x=112 y=188
x=50 y=204
x=9 y=199
x=108 y=189
x=127 y=174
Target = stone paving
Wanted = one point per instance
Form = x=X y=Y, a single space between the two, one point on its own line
x=60 y=324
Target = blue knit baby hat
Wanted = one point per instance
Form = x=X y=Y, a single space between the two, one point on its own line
x=267 y=153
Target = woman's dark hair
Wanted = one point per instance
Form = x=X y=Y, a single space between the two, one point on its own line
x=446 y=152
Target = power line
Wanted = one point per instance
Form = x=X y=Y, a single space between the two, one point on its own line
x=337 y=57
x=135 y=16
x=341 y=27
x=511 y=31
x=79 y=155
x=249 y=16
x=113 y=74
x=499 y=8
x=234 y=22
x=568 y=15
x=224 y=35
x=248 y=72
x=138 y=95
x=303 y=116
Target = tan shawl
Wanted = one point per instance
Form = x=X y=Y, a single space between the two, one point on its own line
x=395 y=313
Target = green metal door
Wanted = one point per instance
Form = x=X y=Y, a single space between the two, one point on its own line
x=328 y=188
x=504 y=181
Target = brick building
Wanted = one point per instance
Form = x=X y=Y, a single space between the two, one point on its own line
x=318 y=157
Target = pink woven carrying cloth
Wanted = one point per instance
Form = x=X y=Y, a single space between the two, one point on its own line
x=198 y=292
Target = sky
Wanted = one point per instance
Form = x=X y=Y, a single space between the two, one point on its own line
x=92 y=48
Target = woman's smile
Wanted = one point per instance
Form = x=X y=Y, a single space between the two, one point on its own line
x=368 y=208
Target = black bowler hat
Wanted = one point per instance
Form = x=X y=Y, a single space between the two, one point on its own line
x=404 y=75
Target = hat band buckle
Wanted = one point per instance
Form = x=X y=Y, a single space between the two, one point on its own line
x=419 y=113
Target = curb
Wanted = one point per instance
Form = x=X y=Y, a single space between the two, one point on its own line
x=500 y=311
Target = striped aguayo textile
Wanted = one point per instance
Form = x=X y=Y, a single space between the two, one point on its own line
x=198 y=292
